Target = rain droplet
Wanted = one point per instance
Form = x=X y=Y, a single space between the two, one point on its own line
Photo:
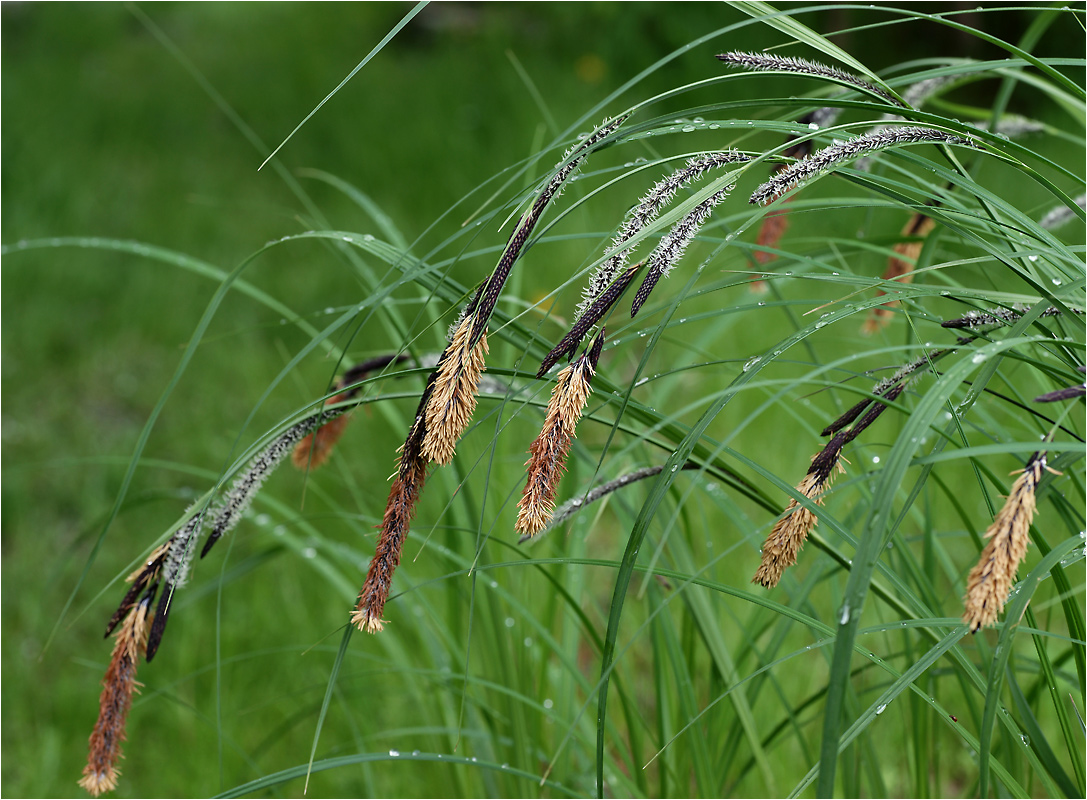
x=640 y=381
x=881 y=708
x=548 y=703
x=394 y=753
x=843 y=618
x=875 y=459
x=978 y=358
x=309 y=552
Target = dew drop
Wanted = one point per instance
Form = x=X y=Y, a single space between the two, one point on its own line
x=1032 y=258
x=750 y=363
x=1023 y=738
x=1056 y=281
x=843 y=618
x=812 y=126
x=548 y=703
x=330 y=310
x=528 y=641
x=510 y=622
x=416 y=752
x=309 y=552
x=978 y=358
x=394 y=753
x=881 y=708
x=642 y=380
x=875 y=459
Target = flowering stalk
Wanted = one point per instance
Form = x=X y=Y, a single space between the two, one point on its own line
x=765 y=62
x=829 y=157
x=775 y=224
x=783 y=544
x=643 y=214
x=787 y=537
x=246 y=486
x=460 y=368
x=673 y=245
x=586 y=322
x=453 y=400
x=992 y=578
x=547 y=455
x=101 y=773
x=1064 y=394
x=998 y=316
x=399 y=510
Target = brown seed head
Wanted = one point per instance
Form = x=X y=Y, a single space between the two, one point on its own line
x=547 y=455
x=101 y=773
x=900 y=268
x=453 y=400
x=783 y=544
x=991 y=580
x=316 y=447
x=399 y=510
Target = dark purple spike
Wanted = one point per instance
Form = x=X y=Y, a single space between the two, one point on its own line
x=648 y=283
x=158 y=627
x=593 y=314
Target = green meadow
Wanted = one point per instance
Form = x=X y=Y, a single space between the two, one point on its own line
x=170 y=307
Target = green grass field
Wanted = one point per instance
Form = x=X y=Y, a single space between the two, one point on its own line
x=131 y=143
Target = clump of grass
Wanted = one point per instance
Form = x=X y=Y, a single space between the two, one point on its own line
x=868 y=512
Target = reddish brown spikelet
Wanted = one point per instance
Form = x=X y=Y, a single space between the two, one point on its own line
x=547 y=455
x=773 y=228
x=399 y=510
x=101 y=773
x=991 y=580
x=316 y=447
x=900 y=268
x=783 y=544
x=453 y=400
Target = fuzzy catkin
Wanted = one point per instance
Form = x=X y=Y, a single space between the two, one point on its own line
x=247 y=485
x=453 y=400
x=100 y=774
x=991 y=580
x=642 y=215
x=674 y=245
x=547 y=455
x=766 y=62
x=829 y=157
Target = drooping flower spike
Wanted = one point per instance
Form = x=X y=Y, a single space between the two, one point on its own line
x=991 y=580
x=547 y=455
x=830 y=157
x=766 y=62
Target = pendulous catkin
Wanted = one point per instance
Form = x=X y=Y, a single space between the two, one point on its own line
x=547 y=455
x=991 y=580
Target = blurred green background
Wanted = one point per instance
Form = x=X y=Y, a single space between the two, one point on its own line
x=106 y=134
